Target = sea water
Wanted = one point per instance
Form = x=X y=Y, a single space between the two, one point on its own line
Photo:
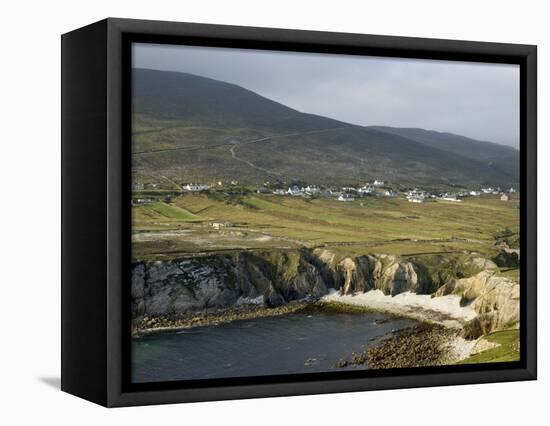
x=286 y=344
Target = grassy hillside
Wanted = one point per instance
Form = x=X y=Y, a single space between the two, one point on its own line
x=506 y=351
x=492 y=155
x=213 y=103
x=190 y=128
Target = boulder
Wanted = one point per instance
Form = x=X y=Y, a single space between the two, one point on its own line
x=507 y=258
x=482 y=263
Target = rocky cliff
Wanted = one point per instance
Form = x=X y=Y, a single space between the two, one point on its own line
x=221 y=280
x=276 y=277
x=494 y=298
x=386 y=273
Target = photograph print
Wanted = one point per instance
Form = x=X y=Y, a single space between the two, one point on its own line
x=297 y=213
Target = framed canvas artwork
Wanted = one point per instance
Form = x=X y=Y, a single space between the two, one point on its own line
x=254 y=212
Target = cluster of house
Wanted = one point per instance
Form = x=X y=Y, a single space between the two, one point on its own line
x=504 y=195
x=419 y=196
x=496 y=191
x=350 y=193
x=198 y=187
x=346 y=193
x=195 y=187
x=297 y=191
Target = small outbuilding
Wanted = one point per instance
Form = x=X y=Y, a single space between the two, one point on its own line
x=219 y=224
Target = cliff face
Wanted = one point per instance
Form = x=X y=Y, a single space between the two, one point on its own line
x=220 y=280
x=386 y=273
x=276 y=277
x=494 y=298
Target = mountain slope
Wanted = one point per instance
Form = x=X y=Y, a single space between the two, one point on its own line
x=181 y=96
x=505 y=158
x=191 y=128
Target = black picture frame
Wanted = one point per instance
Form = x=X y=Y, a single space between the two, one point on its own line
x=96 y=107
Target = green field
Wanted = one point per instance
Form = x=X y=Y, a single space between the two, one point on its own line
x=368 y=225
x=153 y=216
x=507 y=351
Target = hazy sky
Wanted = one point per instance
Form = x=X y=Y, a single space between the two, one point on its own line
x=477 y=100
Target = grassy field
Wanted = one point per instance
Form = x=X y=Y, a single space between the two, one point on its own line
x=368 y=225
x=161 y=216
x=507 y=351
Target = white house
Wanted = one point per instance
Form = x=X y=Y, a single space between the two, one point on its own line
x=504 y=197
x=378 y=182
x=366 y=190
x=475 y=193
x=416 y=196
x=295 y=191
x=346 y=197
x=349 y=189
x=194 y=187
x=312 y=189
x=218 y=224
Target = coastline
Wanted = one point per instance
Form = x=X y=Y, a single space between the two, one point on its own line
x=212 y=317
x=422 y=345
x=442 y=310
x=435 y=340
x=251 y=309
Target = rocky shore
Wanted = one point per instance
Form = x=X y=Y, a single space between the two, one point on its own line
x=218 y=316
x=419 y=346
x=210 y=317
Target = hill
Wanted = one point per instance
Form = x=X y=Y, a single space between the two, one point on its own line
x=504 y=158
x=192 y=128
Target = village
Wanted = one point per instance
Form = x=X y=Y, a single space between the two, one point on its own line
x=376 y=188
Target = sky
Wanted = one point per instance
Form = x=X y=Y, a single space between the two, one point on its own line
x=477 y=100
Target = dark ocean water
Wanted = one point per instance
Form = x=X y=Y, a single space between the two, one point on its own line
x=294 y=343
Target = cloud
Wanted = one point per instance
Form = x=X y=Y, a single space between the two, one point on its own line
x=472 y=99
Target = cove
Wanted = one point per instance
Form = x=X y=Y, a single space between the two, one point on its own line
x=285 y=344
